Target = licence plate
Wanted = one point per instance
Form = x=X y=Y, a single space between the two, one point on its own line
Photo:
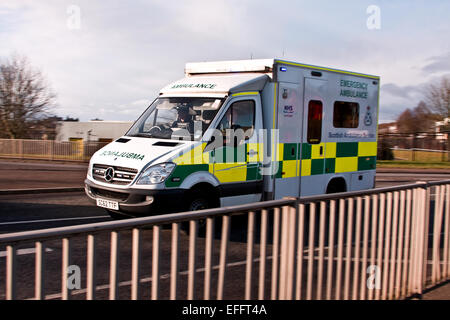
x=108 y=204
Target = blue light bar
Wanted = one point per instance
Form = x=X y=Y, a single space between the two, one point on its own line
x=283 y=69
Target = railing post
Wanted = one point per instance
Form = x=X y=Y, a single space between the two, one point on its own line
x=293 y=212
x=39 y=271
x=135 y=263
x=419 y=238
x=52 y=149
x=445 y=266
x=425 y=231
x=249 y=262
x=66 y=261
x=311 y=236
x=300 y=245
x=10 y=273
x=262 y=255
x=155 y=262
x=114 y=265
x=275 y=253
x=223 y=256
x=91 y=267
x=192 y=258
x=21 y=148
x=174 y=258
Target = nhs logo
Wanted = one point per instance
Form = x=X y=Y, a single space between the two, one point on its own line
x=288 y=109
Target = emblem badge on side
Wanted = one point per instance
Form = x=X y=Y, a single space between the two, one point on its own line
x=368 y=117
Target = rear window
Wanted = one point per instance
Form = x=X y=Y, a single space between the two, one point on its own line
x=314 y=121
x=345 y=114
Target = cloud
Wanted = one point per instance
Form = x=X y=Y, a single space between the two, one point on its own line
x=405 y=92
x=438 y=64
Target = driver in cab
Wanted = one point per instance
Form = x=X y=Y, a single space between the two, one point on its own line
x=184 y=119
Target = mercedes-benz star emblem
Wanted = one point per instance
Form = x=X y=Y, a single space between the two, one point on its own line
x=109 y=174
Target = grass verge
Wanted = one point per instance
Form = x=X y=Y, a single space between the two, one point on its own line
x=412 y=164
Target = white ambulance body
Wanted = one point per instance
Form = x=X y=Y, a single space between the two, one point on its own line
x=308 y=130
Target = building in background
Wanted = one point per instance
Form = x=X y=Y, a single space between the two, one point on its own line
x=390 y=127
x=91 y=131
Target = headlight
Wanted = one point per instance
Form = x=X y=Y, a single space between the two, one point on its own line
x=156 y=174
x=89 y=172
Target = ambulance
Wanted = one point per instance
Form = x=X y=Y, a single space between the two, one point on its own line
x=235 y=132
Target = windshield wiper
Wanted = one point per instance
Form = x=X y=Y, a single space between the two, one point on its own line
x=143 y=135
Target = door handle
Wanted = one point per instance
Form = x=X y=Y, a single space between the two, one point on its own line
x=252 y=152
x=321 y=150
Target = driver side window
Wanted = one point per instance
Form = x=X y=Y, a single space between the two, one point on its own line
x=240 y=115
x=163 y=116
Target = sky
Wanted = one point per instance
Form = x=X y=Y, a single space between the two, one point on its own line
x=109 y=59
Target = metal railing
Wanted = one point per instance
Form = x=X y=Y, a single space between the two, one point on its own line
x=389 y=243
x=48 y=149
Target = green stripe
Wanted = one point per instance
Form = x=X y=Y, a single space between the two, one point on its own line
x=367 y=163
x=330 y=165
x=182 y=171
x=290 y=151
x=346 y=149
x=231 y=154
x=279 y=173
x=253 y=172
x=306 y=151
x=317 y=166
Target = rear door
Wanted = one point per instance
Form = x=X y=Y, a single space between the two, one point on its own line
x=313 y=146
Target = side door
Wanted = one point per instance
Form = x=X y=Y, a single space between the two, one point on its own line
x=289 y=124
x=313 y=146
x=236 y=163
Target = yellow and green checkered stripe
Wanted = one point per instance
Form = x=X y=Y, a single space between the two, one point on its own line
x=236 y=165
x=336 y=157
x=231 y=164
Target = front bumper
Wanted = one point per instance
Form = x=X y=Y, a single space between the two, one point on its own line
x=137 y=203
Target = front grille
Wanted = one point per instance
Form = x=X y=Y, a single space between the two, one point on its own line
x=110 y=194
x=121 y=175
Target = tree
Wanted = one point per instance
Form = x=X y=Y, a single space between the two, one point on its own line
x=24 y=97
x=404 y=121
x=420 y=119
x=437 y=96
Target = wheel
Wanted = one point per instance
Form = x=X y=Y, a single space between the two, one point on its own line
x=198 y=200
x=199 y=203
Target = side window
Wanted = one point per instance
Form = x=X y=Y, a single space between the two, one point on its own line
x=315 y=108
x=240 y=115
x=345 y=114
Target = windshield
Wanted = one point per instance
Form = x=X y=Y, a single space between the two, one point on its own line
x=178 y=118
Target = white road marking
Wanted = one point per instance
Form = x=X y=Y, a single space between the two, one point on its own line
x=149 y=279
x=51 y=220
x=21 y=252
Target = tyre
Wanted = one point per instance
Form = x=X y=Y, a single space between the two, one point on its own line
x=199 y=200
x=198 y=203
